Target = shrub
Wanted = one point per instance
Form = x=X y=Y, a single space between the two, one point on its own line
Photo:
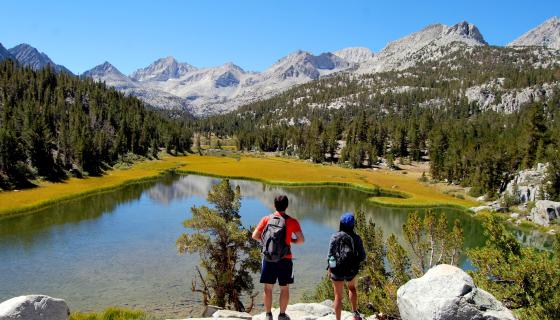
x=525 y=279
x=112 y=313
x=423 y=178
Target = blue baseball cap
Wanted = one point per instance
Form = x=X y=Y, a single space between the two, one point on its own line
x=347 y=219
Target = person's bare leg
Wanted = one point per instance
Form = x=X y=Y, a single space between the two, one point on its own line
x=353 y=294
x=268 y=297
x=338 y=296
x=284 y=298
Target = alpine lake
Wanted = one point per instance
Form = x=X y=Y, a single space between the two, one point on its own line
x=118 y=248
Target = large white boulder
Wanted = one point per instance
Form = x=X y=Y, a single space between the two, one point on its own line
x=446 y=292
x=545 y=212
x=34 y=307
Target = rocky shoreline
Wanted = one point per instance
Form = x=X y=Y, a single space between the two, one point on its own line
x=525 y=196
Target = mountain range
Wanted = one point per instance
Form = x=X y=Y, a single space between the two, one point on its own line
x=29 y=56
x=169 y=84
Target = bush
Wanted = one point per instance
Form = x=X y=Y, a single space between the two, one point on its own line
x=423 y=178
x=530 y=205
x=112 y=313
x=509 y=200
x=476 y=191
x=526 y=280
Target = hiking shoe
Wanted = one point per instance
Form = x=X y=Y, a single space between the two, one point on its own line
x=357 y=315
x=268 y=316
x=283 y=316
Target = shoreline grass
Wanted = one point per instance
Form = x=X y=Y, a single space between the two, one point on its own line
x=28 y=201
x=391 y=188
x=387 y=189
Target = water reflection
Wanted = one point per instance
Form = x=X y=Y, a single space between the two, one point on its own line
x=118 y=248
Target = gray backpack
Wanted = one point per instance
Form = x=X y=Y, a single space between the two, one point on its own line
x=344 y=252
x=274 y=239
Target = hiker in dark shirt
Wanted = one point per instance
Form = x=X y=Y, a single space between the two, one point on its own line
x=346 y=252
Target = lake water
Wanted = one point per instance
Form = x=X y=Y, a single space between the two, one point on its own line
x=118 y=248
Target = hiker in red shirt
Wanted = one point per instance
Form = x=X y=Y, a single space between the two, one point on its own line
x=277 y=232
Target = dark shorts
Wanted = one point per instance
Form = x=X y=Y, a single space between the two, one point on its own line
x=281 y=271
x=343 y=277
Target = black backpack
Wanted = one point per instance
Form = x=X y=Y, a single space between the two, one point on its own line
x=344 y=253
x=274 y=239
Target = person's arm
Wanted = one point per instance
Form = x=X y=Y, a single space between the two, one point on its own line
x=257 y=234
x=299 y=238
x=295 y=230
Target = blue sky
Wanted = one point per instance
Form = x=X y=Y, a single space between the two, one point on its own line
x=251 y=33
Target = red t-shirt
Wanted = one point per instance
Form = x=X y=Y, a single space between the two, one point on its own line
x=292 y=226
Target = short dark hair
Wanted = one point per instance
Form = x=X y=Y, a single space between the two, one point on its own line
x=281 y=203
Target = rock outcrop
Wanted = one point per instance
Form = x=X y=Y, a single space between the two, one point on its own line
x=493 y=96
x=34 y=307
x=545 y=212
x=526 y=185
x=446 y=292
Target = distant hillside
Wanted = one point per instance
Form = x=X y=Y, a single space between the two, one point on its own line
x=55 y=125
x=478 y=113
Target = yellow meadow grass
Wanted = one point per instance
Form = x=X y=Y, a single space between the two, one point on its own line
x=14 y=202
x=267 y=169
x=287 y=171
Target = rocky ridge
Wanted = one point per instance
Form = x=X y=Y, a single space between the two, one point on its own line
x=355 y=54
x=223 y=88
x=170 y=84
x=162 y=70
x=111 y=76
x=4 y=53
x=29 y=56
x=546 y=34
x=422 y=46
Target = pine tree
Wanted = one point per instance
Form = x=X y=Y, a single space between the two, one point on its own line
x=228 y=254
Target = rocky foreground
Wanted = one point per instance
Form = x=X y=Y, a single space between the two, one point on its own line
x=445 y=292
